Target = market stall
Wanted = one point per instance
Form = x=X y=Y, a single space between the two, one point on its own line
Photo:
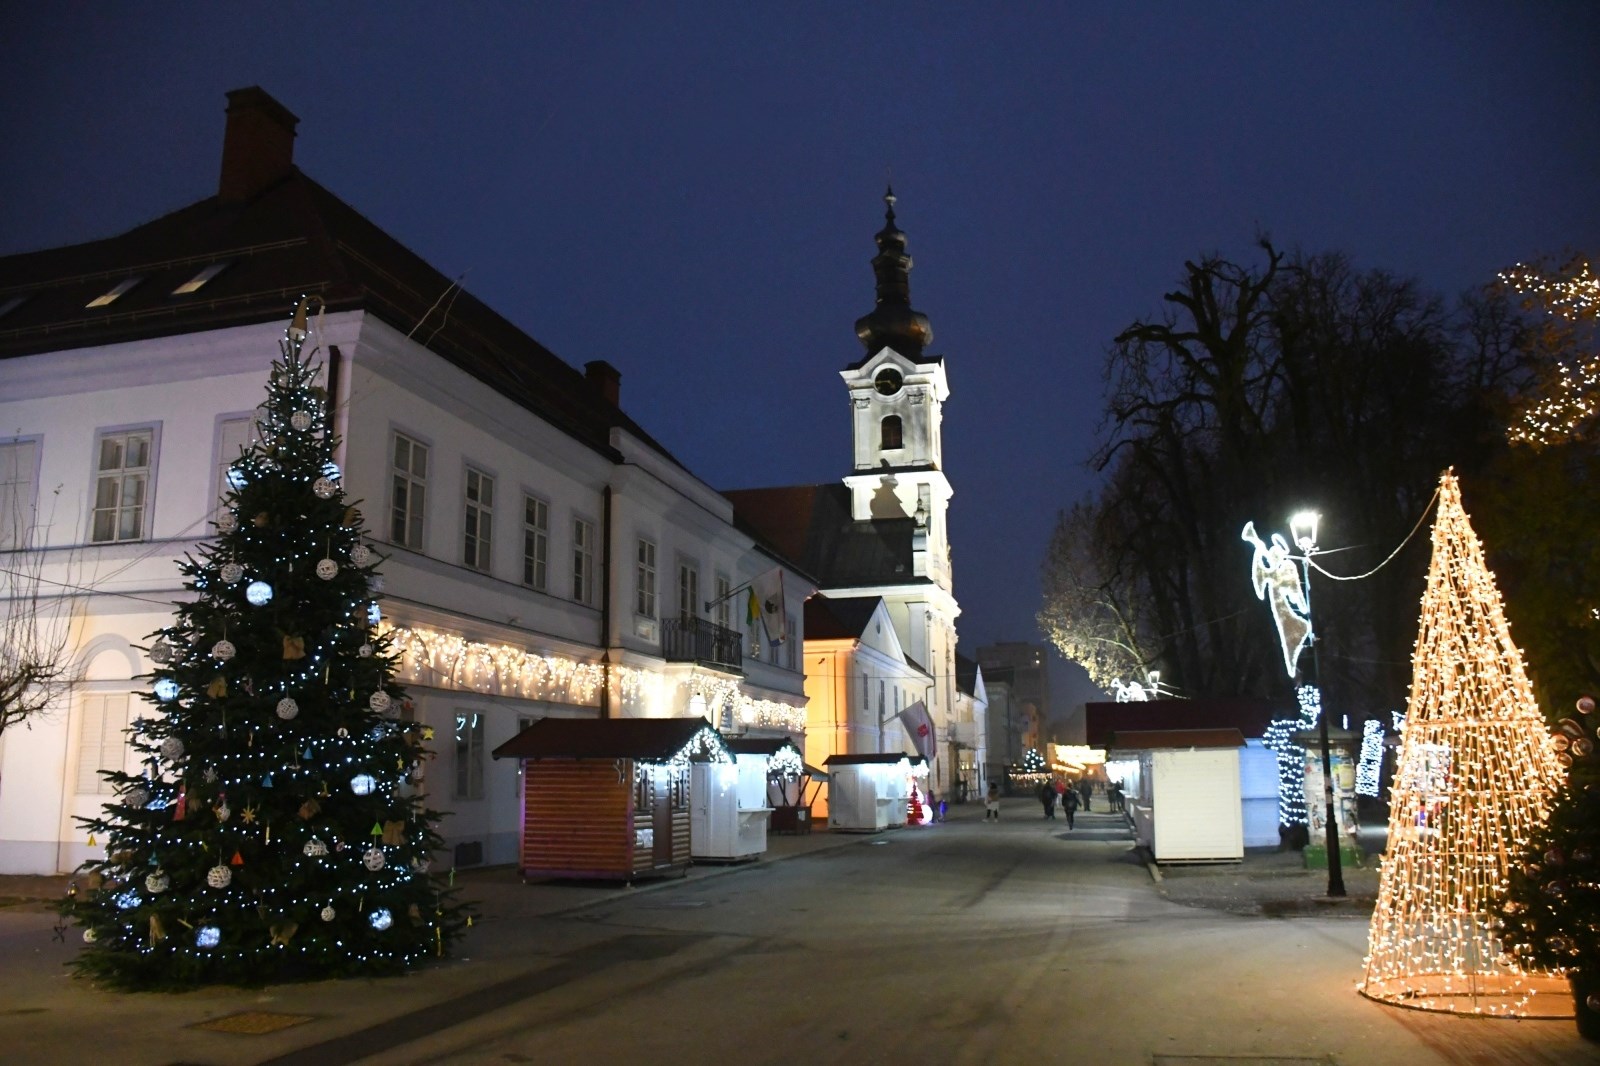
x=1185 y=799
x=867 y=793
x=609 y=797
x=731 y=804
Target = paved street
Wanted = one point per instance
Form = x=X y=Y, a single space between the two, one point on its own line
x=961 y=943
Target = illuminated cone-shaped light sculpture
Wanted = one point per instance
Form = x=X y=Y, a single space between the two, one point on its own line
x=1476 y=774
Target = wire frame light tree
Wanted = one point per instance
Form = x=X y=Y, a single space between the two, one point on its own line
x=1476 y=775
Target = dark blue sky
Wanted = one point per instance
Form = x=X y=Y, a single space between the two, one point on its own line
x=690 y=190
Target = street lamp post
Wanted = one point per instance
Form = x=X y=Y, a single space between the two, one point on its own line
x=1303 y=528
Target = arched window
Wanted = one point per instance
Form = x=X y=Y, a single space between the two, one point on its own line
x=890 y=432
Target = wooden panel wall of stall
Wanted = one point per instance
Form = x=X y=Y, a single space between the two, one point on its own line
x=577 y=818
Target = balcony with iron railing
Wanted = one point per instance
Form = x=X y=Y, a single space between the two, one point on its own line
x=700 y=641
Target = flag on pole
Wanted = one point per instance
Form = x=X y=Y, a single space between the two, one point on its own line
x=767 y=593
x=919 y=727
x=752 y=608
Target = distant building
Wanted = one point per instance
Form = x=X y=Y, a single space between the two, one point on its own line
x=545 y=555
x=1028 y=671
x=882 y=532
x=1005 y=726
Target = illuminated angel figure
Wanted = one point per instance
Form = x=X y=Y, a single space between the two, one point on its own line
x=1277 y=580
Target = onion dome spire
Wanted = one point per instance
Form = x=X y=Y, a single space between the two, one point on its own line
x=892 y=322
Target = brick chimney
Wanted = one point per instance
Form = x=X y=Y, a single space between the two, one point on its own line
x=604 y=379
x=258 y=147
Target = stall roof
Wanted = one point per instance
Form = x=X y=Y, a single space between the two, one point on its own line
x=1149 y=739
x=651 y=739
x=758 y=745
x=862 y=760
x=1250 y=716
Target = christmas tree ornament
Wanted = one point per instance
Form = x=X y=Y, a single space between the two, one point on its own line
x=136 y=797
x=223 y=650
x=293 y=647
x=308 y=810
x=180 y=808
x=219 y=877
x=260 y=520
x=315 y=848
x=238 y=858
x=377 y=830
x=223 y=812
x=324 y=488
x=360 y=555
x=172 y=749
x=259 y=593
x=88 y=936
x=158 y=932
x=379 y=701
x=166 y=690
x=300 y=420
x=287 y=708
x=365 y=651
x=327 y=569
x=231 y=573
x=373 y=859
x=328 y=913
x=226 y=522
x=216 y=690
x=161 y=653
x=381 y=919
x=208 y=936
x=363 y=784
x=209 y=775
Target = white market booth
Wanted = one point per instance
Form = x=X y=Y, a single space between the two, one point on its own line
x=867 y=793
x=1185 y=800
x=732 y=802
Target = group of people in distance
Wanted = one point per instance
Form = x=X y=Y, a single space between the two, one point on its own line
x=1057 y=791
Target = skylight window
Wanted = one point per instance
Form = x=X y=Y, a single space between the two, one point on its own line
x=110 y=297
x=195 y=283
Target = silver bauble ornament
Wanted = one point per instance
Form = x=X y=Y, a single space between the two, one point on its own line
x=327 y=569
x=360 y=555
x=300 y=420
x=328 y=913
x=172 y=749
x=314 y=848
x=373 y=859
x=379 y=701
x=223 y=650
x=365 y=651
x=324 y=488
x=226 y=523
x=136 y=797
x=287 y=708
x=219 y=877
x=231 y=572
x=157 y=883
x=161 y=652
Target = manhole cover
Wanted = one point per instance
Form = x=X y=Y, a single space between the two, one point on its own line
x=253 y=1022
x=1242 y=1060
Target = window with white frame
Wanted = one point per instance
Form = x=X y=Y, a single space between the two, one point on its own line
x=688 y=589
x=102 y=740
x=477 y=520
x=469 y=755
x=582 y=560
x=724 y=601
x=19 y=492
x=234 y=436
x=644 y=603
x=408 y=493
x=122 y=485
x=535 y=543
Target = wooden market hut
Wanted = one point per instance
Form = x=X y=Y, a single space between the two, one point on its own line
x=608 y=798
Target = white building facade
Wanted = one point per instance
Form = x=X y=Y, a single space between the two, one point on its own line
x=545 y=556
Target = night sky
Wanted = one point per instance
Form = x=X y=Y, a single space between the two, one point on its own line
x=689 y=191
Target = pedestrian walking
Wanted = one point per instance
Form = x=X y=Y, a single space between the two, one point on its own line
x=1069 y=806
x=1047 y=796
x=1086 y=789
x=991 y=802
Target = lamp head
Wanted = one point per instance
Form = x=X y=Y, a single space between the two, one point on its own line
x=1303 y=529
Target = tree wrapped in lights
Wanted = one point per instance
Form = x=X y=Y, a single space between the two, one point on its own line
x=1032 y=762
x=1551 y=909
x=276 y=832
x=1476 y=773
x=1566 y=400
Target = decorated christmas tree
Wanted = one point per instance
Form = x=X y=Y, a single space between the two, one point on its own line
x=1551 y=909
x=1032 y=762
x=1476 y=772
x=276 y=831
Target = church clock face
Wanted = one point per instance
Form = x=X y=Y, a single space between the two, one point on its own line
x=887 y=381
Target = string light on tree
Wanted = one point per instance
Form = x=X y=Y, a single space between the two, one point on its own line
x=1370 y=767
x=1571 y=391
x=1475 y=776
